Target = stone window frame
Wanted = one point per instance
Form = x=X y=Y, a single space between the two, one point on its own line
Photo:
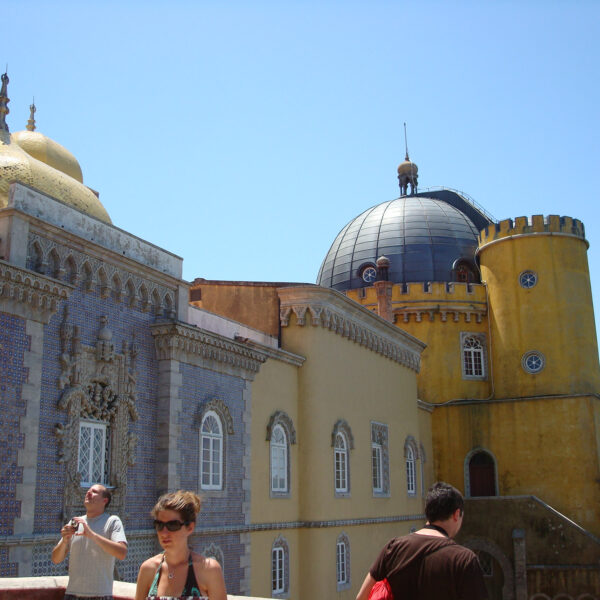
x=282 y=419
x=217 y=406
x=482 y=339
x=215 y=439
x=411 y=455
x=422 y=461
x=380 y=441
x=344 y=542
x=341 y=428
x=280 y=548
x=525 y=362
x=215 y=551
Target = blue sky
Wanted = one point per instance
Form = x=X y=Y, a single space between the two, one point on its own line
x=244 y=136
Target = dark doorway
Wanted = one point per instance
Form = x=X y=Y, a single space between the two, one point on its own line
x=482 y=475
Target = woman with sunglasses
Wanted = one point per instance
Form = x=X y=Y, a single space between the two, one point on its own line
x=177 y=572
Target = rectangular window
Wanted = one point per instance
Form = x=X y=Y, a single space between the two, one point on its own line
x=277 y=571
x=342 y=575
x=376 y=467
x=92 y=459
x=473 y=347
x=278 y=468
x=341 y=471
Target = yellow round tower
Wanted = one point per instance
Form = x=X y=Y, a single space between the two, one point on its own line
x=543 y=336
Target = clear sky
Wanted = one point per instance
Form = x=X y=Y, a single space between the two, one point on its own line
x=243 y=136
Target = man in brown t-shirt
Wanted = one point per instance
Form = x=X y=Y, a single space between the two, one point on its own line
x=428 y=564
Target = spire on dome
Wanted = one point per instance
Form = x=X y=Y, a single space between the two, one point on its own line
x=31 y=122
x=4 y=100
x=407 y=172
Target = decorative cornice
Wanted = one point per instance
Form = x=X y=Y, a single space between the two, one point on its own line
x=186 y=343
x=30 y=295
x=336 y=312
x=428 y=311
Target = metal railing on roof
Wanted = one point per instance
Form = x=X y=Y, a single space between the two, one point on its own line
x=466 y=197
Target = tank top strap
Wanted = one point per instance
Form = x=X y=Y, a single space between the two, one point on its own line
x=153 y=591
x=191 y=585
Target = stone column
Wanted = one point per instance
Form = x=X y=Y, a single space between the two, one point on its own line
x=384 y=300
x=520 y=558
x=169 y=431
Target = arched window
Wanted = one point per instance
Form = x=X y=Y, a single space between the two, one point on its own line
x=342 y=562
x=279 y=460
x=211 y=452
x=279 y=567
x=473 y=355
x=341 y=463
x=411 y=471
x=481 y=469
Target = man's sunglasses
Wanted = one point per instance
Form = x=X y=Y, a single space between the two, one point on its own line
x=170 y=525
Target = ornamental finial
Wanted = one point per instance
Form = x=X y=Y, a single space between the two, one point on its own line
x=4 y=100
x=31 y=122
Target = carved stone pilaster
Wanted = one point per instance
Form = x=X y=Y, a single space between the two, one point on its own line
x=99 y=385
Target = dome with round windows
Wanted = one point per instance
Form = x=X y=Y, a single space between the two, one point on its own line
x=426 y=237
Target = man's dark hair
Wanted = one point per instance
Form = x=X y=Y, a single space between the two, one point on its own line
x=106 y=494
x=441 y=502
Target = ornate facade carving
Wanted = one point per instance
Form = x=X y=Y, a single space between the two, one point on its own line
x=67 y=264
x=29 y=295
x=281 y=418
x=220 y=408
x=99 y=385
x=342 y=425
x=335 y=312
x=185 y=343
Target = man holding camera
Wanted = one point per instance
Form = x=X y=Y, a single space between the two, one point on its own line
x=92 y=541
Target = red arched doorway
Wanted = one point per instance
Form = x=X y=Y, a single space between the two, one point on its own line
x=482 y=474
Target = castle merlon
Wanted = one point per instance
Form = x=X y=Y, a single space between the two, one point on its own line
x=531 y=225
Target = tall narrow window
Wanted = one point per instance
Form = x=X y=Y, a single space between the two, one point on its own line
x=211 y=452
x=341 y=463
x=342 y=562
x=93 y=454
x=279 y=460
x=411 y=471
x=473 y=355
x=376 y=467
x=279 y=567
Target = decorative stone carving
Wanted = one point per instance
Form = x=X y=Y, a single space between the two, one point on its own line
x=342 y=425
x=176 y=341
x=28 y=294
x=59 y=262
x=99 y=385
x=331 y=310
x=221 y=409
x=281 y=418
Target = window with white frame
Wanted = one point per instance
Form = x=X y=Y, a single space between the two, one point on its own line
x=211 y=452
x=341 y=463
x=279 y=460
x=411 y=471
x=93 y=456
x=473 y=355
x=279 y=567
x=342 y=562
x=379 y=459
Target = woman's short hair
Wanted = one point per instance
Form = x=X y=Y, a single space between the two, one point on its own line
x=186 y=503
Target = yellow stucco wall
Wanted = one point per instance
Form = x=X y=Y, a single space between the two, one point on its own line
x=555 y=317
x=445 y=314
x=541 y=447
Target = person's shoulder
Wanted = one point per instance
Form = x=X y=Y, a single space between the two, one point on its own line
x=206 y=562
x=152 y=563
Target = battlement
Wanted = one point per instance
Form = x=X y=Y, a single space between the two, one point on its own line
x=531 y=225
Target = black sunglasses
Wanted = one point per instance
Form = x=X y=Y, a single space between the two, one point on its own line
x=170 y=525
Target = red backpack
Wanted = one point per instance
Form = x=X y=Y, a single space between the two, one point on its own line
x=381 y=591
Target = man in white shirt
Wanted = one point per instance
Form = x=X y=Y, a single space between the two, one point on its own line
x=93 y=542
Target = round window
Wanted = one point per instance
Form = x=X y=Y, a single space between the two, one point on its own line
x=369 y=274
x=527 y=279
x=533 y=362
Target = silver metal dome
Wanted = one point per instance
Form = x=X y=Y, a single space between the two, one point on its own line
x=423 y=237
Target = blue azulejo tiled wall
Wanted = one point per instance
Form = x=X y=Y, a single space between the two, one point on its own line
x=13 y=374
x=125 y=322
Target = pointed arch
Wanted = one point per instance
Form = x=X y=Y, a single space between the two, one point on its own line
x=71 y=271
x=130 y=295
x=54 y=269
x=144 y=298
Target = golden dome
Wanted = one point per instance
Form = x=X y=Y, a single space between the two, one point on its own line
x=408 y=168
x=17 y=165
x=48 y=151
